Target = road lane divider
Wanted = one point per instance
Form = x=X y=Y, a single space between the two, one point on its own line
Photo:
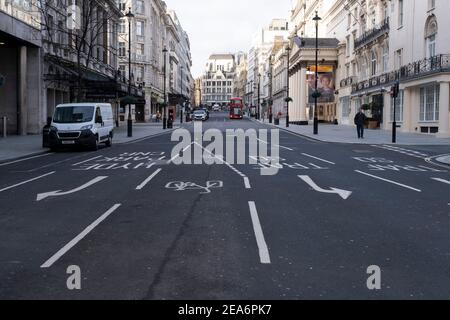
x=88 y=160
x=78 y=238
x=27 y=181
x=441 y=180
x=320 y=159
x=146 y=181
x=389 y=181
x=247 y=183
x=58 y=193
x=264 y=255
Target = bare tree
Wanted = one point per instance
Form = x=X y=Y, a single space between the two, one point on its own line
x=82 y=27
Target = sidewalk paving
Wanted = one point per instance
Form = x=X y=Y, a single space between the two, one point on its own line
x=347 y=134
x=14 y=147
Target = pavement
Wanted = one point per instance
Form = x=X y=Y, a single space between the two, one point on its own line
x=347 y=134
x=14 y=147
x=130 y=223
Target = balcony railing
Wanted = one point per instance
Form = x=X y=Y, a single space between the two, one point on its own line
x=436 y=64
x=374 y=82
x=348 y=82
x=373 y=34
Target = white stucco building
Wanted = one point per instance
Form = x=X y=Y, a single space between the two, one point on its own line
x=218 y=79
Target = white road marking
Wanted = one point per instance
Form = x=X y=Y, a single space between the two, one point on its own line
x=57 y=193
x=313 y=157
x=247 y=183
x=178 y=155
x=276 y=145
x=24 y=182
x=344 y=194
x=390 y=181
x=162 y=158
x=21 y=160
x=436 y=179
x=78 y=238
x=76 y=164
x=262 y=246
x=143 y=184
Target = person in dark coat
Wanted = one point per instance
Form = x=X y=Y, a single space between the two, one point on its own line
x=360 y=121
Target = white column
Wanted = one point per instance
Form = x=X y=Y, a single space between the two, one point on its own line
x=407 y=110
x=22 y=85
x=303 y=95
x=444 y=101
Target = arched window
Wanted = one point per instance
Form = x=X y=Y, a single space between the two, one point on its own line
x=431 y=30
x=386 y=57
x=373 y=63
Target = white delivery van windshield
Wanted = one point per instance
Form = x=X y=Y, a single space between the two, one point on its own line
x=73 y=114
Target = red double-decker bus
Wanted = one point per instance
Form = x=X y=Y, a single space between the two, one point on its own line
x=236 y=108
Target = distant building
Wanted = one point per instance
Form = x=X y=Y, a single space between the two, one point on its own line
x=240 y=79
x=218 y=79
x=198 y=92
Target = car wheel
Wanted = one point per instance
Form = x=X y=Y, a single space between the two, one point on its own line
x=94 y=146
x=109 y=142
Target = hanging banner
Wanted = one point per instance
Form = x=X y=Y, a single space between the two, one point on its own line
x=326 y=84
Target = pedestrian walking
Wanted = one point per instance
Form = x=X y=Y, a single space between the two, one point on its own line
x=360 y=121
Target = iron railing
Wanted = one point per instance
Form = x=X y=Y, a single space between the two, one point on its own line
x=436 y=64
x=373 y=34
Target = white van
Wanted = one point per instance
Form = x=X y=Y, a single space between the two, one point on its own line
x=82 y=124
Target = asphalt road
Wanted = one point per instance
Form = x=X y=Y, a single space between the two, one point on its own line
x=140 y=227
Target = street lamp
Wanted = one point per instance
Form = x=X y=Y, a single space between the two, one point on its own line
x=316 y=92
x=130 y=16
x=258 y=113
x=270 y=87
x=288 y=51
x=182 y=98
x=165 y=94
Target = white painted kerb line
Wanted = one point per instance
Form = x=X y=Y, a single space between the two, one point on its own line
x=78 y=238
x=313 y=157
x=262 y=246
x=21 y=160
x=143 y=184
x=24 y=182
x=390 y=181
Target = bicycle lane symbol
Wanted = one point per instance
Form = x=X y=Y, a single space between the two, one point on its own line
x=183 y=186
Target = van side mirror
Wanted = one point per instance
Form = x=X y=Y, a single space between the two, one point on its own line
x=99 y=119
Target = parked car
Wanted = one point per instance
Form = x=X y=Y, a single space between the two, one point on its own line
x=200 y=115
x=80 y=124
x=216 y=107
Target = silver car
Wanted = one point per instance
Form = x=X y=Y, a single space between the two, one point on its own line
x=200 y=115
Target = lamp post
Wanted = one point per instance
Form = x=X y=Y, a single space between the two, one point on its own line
x=288 y=51
x=130 y=16
x=182 y=98
x=258 y=113
x=165 y=94
x=270 y=104
x=316 y=92
x=395 y=93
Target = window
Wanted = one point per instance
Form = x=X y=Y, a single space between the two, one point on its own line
x=122 y=28
x=140 y=6
x=385 y=58
x=346 y=109
x=431 y=30
x=398 y=108
x=400 y=13
x=373 y=64
x=140 y=49
x=140 y=28
x=348 y=46
x=140 y=74
x=399 y=59
x=429 y=103
x=122 y=50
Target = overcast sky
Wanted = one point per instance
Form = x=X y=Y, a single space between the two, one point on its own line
x=224 y=26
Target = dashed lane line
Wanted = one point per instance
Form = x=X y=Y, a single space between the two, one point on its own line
x=313 y=157
x=146 y=181
x=264 y=255
x=389 y=181
x=78 y=238
x=27 y=181
x=25 y=159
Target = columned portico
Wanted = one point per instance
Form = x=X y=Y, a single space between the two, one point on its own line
x=444 y=112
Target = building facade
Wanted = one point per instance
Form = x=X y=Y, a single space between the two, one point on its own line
x=240 y=79
x=218 y=79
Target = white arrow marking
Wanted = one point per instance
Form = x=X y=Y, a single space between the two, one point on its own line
x=344 y=194
x=441 y=180
x=57 y=193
